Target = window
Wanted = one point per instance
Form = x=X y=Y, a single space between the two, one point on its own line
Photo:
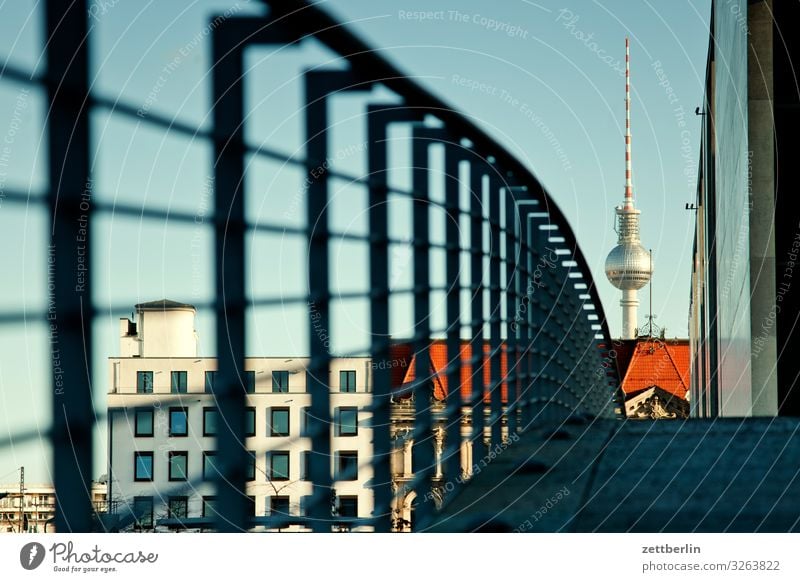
x=178 y=382
x=279 y=466
x=250 y=422
x=211 y=379
x=143 y=512
x=347 y=381
x=210 y=420
x=210 y=506
x=279 y=422
x=178 y=464
x=348 y=421
x=178 y=507
x=178 y=422
x=209 y=467
x=348 y=506
x=143 y=423
x=250 y=381
x=305 y=465
x=348 y=466
x=280 y=381
x=143 y=466
x=279 y=506
x=251 y=505
x=144 y=382
x=250 y=475
x=305 y=422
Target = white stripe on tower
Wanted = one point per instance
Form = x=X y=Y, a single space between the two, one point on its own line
x=628 y=183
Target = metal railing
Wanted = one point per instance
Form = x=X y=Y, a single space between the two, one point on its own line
x=529 y=294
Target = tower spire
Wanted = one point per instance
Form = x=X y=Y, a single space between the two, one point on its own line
x=628 y=265
x=628 y=181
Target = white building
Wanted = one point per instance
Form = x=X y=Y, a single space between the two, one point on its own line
x=162 y=420
x=33 y=510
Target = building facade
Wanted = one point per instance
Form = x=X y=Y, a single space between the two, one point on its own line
x=33 y=510
x=163 y=422
x=744 y=304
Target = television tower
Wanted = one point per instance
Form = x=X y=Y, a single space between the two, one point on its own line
x=628 y=265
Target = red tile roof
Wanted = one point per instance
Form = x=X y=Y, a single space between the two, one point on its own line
x=439 y=362
x=657 y=362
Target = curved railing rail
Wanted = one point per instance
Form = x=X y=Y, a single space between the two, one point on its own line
x=518 y=302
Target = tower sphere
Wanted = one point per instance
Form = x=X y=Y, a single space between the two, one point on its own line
x=628 y=266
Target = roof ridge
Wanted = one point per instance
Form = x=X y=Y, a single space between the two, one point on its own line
x=674 y=365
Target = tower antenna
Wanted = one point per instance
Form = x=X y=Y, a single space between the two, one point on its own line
x=628 y=266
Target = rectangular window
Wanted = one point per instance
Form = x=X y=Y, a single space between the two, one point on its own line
x=305 y=465
x=143 y=466
x=143 y=512
x=178 y=465
x=251 y=505
x=178 y=422
x=348 y=421
x=178 y=507
x=305 y=422
x=348 y=506
x=210 y=420
x=250 y=475
x=250 y=422
x=279 y=422
x=144 y=423
x=280 y=381
x=144 y=382
x=279 y=466
x=279 y=506
x=210 y=506
x=348 y=466
x=178 y=382
x=250 y=381
x=347 y=381
x=211 y=379
x=209 y=468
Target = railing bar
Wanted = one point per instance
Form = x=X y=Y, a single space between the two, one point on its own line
x=229 y=271
x=70 y=313
x=422 y=450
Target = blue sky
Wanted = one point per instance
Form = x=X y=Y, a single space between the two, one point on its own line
x=542 y=77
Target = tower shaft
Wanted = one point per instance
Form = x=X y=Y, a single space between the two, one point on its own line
x=628 y=266
x=628 y=179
